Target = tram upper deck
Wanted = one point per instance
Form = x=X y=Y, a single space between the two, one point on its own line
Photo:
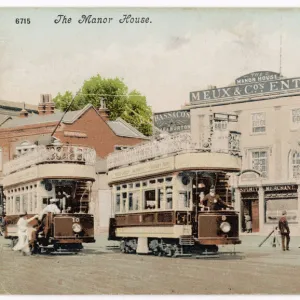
x=175 y=153
x=46 y=172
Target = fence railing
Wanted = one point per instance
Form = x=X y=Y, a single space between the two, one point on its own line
x=227 y=143
x=48 y=154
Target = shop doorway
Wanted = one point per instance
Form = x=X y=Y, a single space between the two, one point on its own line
x=250 y=208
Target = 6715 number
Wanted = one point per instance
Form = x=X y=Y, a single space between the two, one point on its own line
x=23 y=21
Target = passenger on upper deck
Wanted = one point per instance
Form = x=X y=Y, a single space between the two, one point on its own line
x=213 y=201
x=50 y=208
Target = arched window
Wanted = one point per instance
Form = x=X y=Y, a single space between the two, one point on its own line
x=24 y=148
x=295 y=164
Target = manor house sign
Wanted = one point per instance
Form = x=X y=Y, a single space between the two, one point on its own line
x=253 y=84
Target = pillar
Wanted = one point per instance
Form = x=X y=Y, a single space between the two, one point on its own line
x=237 y=206
x=261 y=208
x=298 y=207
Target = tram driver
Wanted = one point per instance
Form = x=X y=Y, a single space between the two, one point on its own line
x=213 y=201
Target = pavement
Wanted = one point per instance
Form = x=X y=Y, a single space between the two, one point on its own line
x=102 y=269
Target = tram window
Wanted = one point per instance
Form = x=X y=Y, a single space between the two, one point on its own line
x=118 y=198
x=184 y=199
x=169 y=179
x=46 y=201
x=160 y=198
x=118 y=188
x=137 y=184
x=130 y=201
x=30 y=202
x=25 y=203
x=17 y=204
x=124 y=197
x=35 y=200
x=149 y=199
x=169 y=192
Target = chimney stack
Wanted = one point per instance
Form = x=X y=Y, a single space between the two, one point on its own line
x=46 y=105
x=103 y=110
x=24 y=112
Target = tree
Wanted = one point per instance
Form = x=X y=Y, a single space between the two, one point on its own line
x=132 y=107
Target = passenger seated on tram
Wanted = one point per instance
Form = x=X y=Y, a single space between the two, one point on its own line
x=50 y=208
x=213 y=201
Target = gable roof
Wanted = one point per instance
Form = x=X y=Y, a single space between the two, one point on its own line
x=124 y=129
x=119 y=126
x=13 y=108
x=69 y=118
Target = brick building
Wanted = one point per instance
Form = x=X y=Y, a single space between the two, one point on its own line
x=24 y=130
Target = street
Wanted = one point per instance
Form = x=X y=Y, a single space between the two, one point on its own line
x=102 y=270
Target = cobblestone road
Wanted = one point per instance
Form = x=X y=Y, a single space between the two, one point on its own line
x=100 y=271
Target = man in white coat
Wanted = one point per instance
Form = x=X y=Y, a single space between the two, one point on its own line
x=50 y=208
x=23 y=239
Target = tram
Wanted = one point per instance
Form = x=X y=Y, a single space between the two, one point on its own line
x=157 y=189
x=61 y=172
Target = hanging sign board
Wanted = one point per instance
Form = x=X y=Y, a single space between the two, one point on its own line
x=173 y=121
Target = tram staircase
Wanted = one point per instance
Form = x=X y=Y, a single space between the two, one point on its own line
x=221 y=188
x=82 y=196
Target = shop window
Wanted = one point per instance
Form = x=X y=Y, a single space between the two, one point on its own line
x=118 y=188
x=220 y=125
x=295 y=164
x=149 y=199
x=274 y=208
x=169 y=196
x=118 y=200
x=258 y=123
x=260 y=162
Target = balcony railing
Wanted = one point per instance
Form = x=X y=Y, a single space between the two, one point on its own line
x=228 y=143
x=51 y=154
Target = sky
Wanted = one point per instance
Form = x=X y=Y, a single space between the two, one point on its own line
x=180 y=51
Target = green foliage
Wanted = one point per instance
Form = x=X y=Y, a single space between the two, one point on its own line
x=132 y=107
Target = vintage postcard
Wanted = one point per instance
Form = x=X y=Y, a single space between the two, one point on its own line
x=149 y=151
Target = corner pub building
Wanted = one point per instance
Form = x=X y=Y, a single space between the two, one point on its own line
x=267 y=108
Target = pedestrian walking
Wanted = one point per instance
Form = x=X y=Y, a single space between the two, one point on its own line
x=284 y=231
x=23 y=240
x=248 y=223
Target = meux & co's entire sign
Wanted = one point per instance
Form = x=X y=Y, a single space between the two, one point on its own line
x=173 y=121
x=251 y=84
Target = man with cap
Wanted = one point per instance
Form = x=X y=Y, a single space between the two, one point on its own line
x=50 y=208
x=23 y=240
x=213 y=201
x=284 y=231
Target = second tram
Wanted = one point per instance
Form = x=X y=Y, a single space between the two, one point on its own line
x=159 y=194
